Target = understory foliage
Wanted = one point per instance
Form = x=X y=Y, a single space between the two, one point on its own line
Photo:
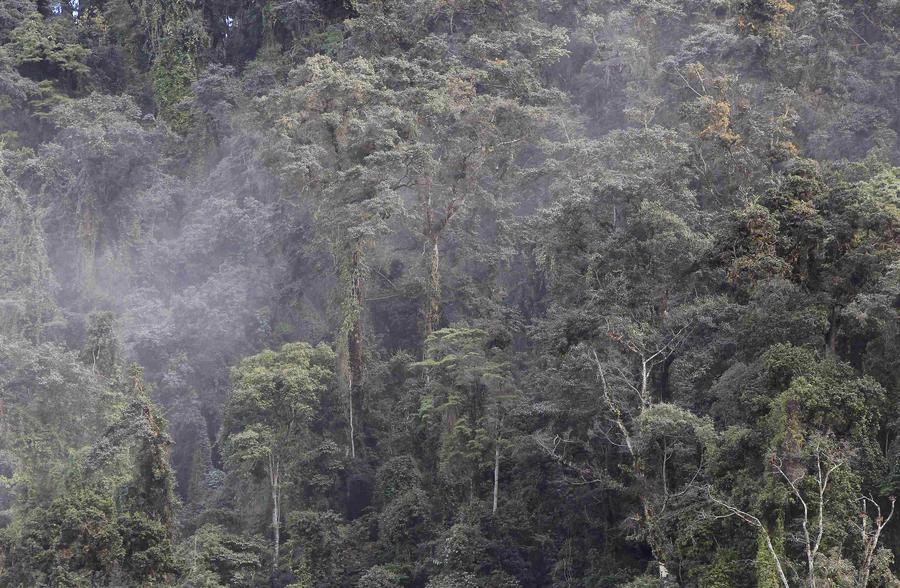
x=449 y=293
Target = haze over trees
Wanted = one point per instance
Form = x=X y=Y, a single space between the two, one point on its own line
x=449 y=293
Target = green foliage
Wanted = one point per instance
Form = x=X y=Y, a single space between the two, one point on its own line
x=316 y=545
x=53 y=409
x=102 y=351
x=766 y=572
x=172 y=79
x=276 y=395
x=395 y=477
x=176 y=37
x=147 y=546
x=75 y=538
x=596 y=291
x=381 y=577
x=218 y=557
x=405 y=524
x=454 y=580
x=80 y=539
x=27 y=306
x=467 y=398
x=823 y=396
x=461 y=548
x=38 y=41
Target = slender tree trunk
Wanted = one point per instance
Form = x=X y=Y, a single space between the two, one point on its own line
x=832 y=336
x=864 y=570
x=496 y=474
x=431 y=230
x=870 y=538
x=665 y=579
x=664 y=576
x=355 y=338
x=645 y=379
x=275 y=486
x=433 y=305
x=355 y=344
x=781 y=575
x=276 y=528
x=649 y=522
x=352 y=428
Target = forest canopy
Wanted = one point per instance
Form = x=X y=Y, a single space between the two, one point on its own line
x=449 y=293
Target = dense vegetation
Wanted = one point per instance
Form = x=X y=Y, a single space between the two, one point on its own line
x=449 y=293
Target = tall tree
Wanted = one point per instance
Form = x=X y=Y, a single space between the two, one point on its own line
x=340 y=129
x=26 y=281
x=269 y=416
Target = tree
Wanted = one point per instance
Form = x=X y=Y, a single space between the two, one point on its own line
x=52 y=405
x=339 y=129
x=73 y=541
x=103 y=349
x=814 y=517
x=273 y=405
x=818 y=460
x=88 y=180
x=91 y=470
x=26 y=280
x=474 y=117
x=623 y=332
x=469 y=392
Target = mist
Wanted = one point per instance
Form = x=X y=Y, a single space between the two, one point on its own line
x=437 y=294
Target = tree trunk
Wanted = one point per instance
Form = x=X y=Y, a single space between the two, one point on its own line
x=781 y=575
x=871 y=538
x=496 y=475
x=352 y=428
x=665 y=579
x=433 y=304
x=276 y=528
x=831 y=342
x=664 y=576
x=275 y=485
x=355 y=343
x=645 y=379
x=355 y=339
x=432 y=232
